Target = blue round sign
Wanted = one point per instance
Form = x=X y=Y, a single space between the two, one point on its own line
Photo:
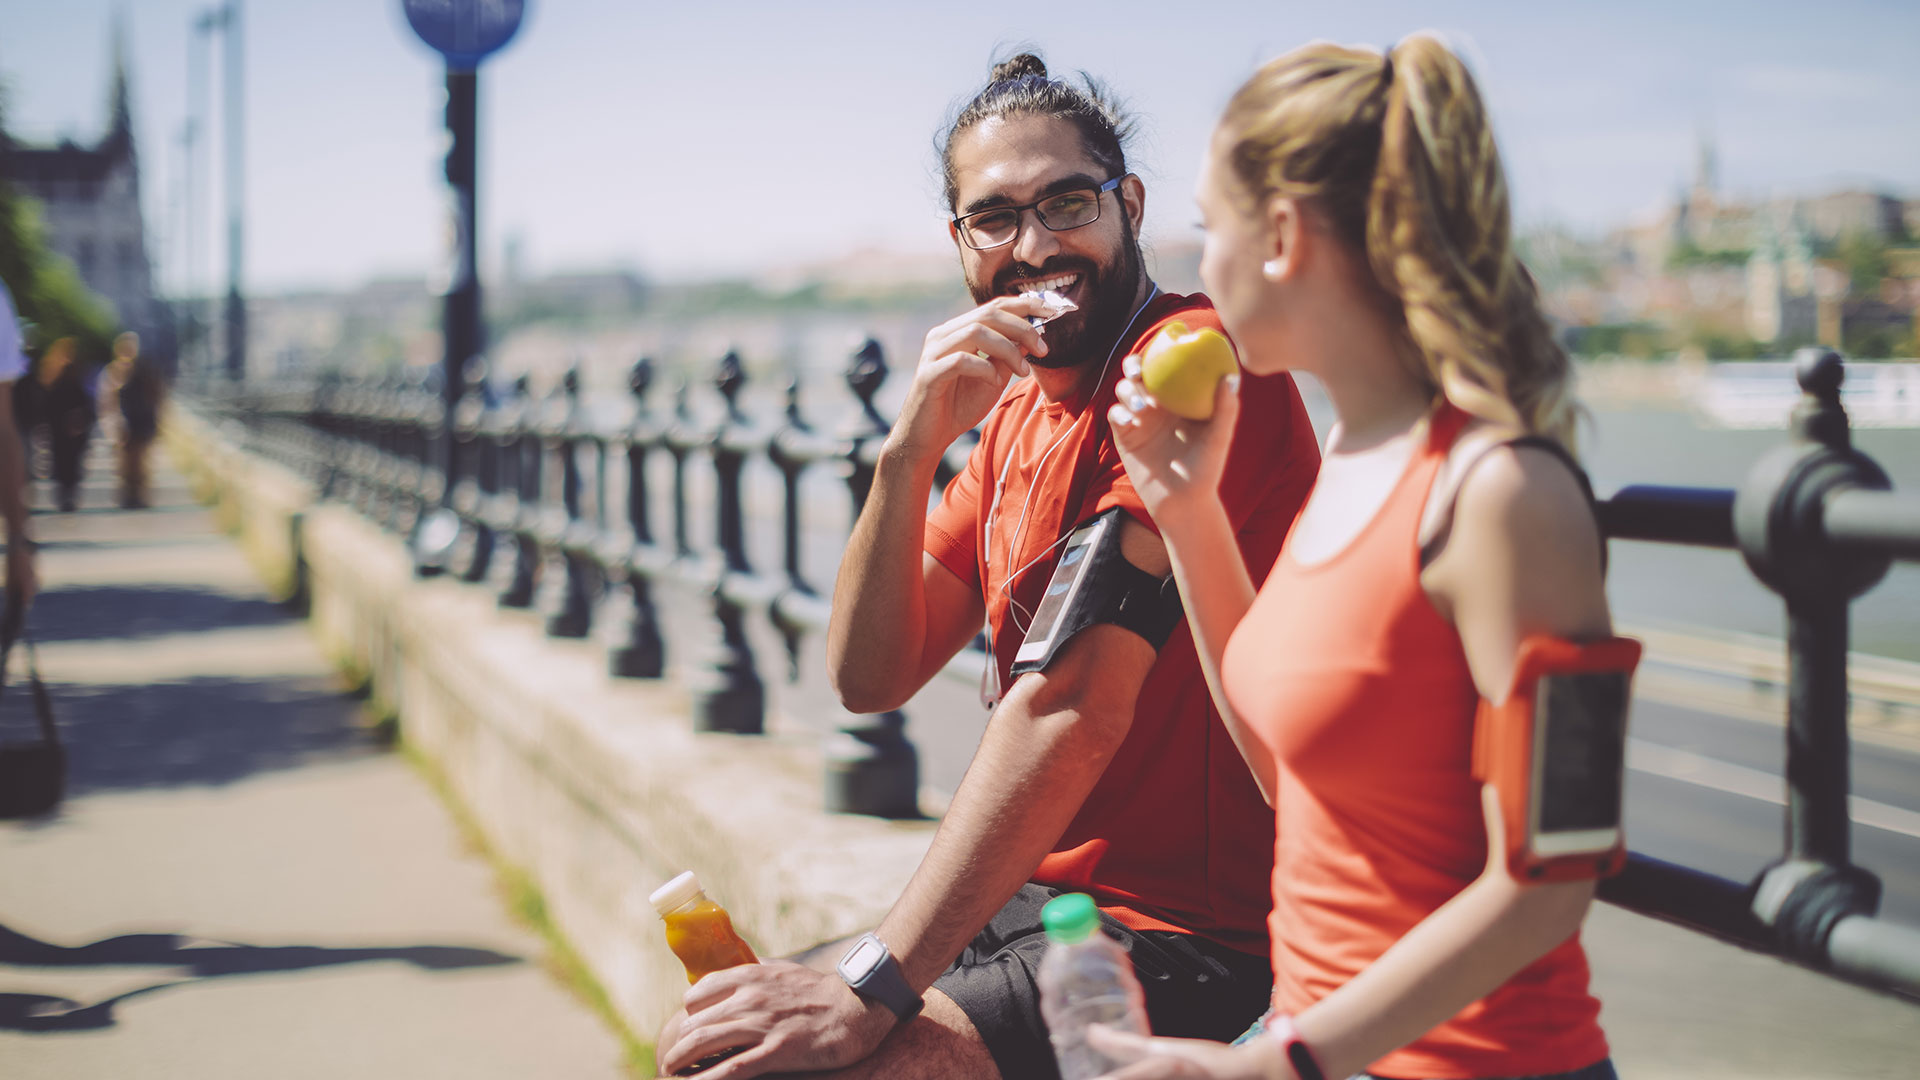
x=464 y=31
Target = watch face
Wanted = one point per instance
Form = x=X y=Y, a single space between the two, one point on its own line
x=860 y=961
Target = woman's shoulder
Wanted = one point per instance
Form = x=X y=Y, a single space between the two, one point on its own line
x=1515 y=490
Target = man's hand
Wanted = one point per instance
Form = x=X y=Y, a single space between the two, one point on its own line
x=964 y=366
x=787 y=1017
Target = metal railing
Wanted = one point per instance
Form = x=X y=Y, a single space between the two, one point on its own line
x=1818 y=523
x=555 y=508
x=552 y=502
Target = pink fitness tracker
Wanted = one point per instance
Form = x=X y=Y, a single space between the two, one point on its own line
x=1298 y=1054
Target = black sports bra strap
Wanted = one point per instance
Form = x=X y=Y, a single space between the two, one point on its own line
x=1431 y=549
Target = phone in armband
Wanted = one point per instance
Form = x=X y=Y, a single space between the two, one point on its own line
x=1555 y=751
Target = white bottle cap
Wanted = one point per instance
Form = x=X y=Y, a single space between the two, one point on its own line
x=675 y=893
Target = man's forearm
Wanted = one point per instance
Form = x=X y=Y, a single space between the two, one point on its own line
x=877 y=634
x=1043 y=751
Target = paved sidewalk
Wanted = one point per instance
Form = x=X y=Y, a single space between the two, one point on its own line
x=242 y=883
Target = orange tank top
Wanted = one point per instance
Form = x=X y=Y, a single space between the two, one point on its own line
x=1361 y=691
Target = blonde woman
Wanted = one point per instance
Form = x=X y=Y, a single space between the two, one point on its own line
x=1358 y=229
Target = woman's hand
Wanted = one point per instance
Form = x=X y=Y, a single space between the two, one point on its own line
x=1152 y=1058
x=1172 y=461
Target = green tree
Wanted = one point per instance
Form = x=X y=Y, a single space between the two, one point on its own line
x=1865 y=258
x=1872 y=343
x=47 y=290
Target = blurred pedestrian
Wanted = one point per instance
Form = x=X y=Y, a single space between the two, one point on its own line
x=69 y=414
x=136 y=387
x=13 y=504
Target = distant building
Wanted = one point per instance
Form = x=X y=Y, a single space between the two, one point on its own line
x=1780 y=295
x=91 y=200
x=1701 y=224
x=1853 y=213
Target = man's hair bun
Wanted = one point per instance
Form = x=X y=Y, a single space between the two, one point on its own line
x=1020 y=86
x=1017 y=68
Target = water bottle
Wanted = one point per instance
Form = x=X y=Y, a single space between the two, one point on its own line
x=1085 y=978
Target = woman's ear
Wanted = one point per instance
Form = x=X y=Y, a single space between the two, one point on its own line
x=1288 y=239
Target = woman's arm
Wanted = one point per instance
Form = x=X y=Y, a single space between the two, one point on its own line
x=1176 y=466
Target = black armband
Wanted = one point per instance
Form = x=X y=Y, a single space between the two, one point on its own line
x=1094 y=583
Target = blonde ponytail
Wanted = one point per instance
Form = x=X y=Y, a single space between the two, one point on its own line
x=1398 y=153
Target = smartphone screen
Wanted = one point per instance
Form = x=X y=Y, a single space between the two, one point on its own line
x=1067 y=576
x=1579 y=761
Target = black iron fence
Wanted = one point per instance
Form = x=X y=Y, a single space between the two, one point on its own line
x=551 y=501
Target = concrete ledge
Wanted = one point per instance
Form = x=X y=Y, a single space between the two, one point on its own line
x=256 y=500
x=598 y=788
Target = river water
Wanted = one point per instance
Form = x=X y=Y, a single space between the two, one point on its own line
x=1680 y=586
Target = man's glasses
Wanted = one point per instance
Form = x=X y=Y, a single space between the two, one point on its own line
x=1067 y=210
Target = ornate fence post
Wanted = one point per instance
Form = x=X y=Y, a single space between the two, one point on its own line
x=1777 y=517
x=633 y=552
x=727 y=692
x=480 y=472
x=526 y=503
x=871 y=767
x=798 y=609
x=324 y=430
x=439 y=468
x=680 y=441
x=502 y=507
x=360 y=451
x=566 y=537
x=377 y=423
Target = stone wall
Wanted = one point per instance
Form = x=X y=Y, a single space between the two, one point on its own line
x=598 y=788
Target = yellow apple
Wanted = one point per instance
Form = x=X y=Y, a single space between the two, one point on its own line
x=1181 y=367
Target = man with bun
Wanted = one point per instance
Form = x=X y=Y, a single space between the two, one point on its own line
x=1106 y=770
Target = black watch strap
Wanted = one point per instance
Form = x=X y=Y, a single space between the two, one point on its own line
x=869 y=967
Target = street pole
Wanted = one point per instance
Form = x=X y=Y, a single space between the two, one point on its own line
x=463 y=334
x=236 y=307
x=199 y=329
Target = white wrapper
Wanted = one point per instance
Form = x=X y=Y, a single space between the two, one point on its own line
x=1056 y=304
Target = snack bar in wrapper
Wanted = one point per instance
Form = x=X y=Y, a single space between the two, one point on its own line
x=1056 y=304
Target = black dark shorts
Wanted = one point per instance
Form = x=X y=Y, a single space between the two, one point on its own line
x=1195 y=988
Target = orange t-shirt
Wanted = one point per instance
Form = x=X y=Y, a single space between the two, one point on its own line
x=1174 y=835
x=1361 y=690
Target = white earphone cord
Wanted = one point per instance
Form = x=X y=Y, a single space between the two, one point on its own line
x=1023 y=618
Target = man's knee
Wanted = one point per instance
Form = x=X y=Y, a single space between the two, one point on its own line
x=939 y=1044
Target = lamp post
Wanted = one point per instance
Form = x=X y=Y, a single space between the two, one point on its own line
x=464 y=32
x=234 y=85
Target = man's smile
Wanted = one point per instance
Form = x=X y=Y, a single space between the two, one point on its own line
x=1059 y=283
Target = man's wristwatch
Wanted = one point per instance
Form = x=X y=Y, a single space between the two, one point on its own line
x=873 y=973
x=1298 y=1054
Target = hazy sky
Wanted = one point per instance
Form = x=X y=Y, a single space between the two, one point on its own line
x=715 y=137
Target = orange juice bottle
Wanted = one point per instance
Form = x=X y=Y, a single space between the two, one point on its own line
x=698 y=930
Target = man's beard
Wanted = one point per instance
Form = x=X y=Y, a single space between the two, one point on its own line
x=1074 y=338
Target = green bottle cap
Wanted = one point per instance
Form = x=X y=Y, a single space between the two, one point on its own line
x=1070 y=919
